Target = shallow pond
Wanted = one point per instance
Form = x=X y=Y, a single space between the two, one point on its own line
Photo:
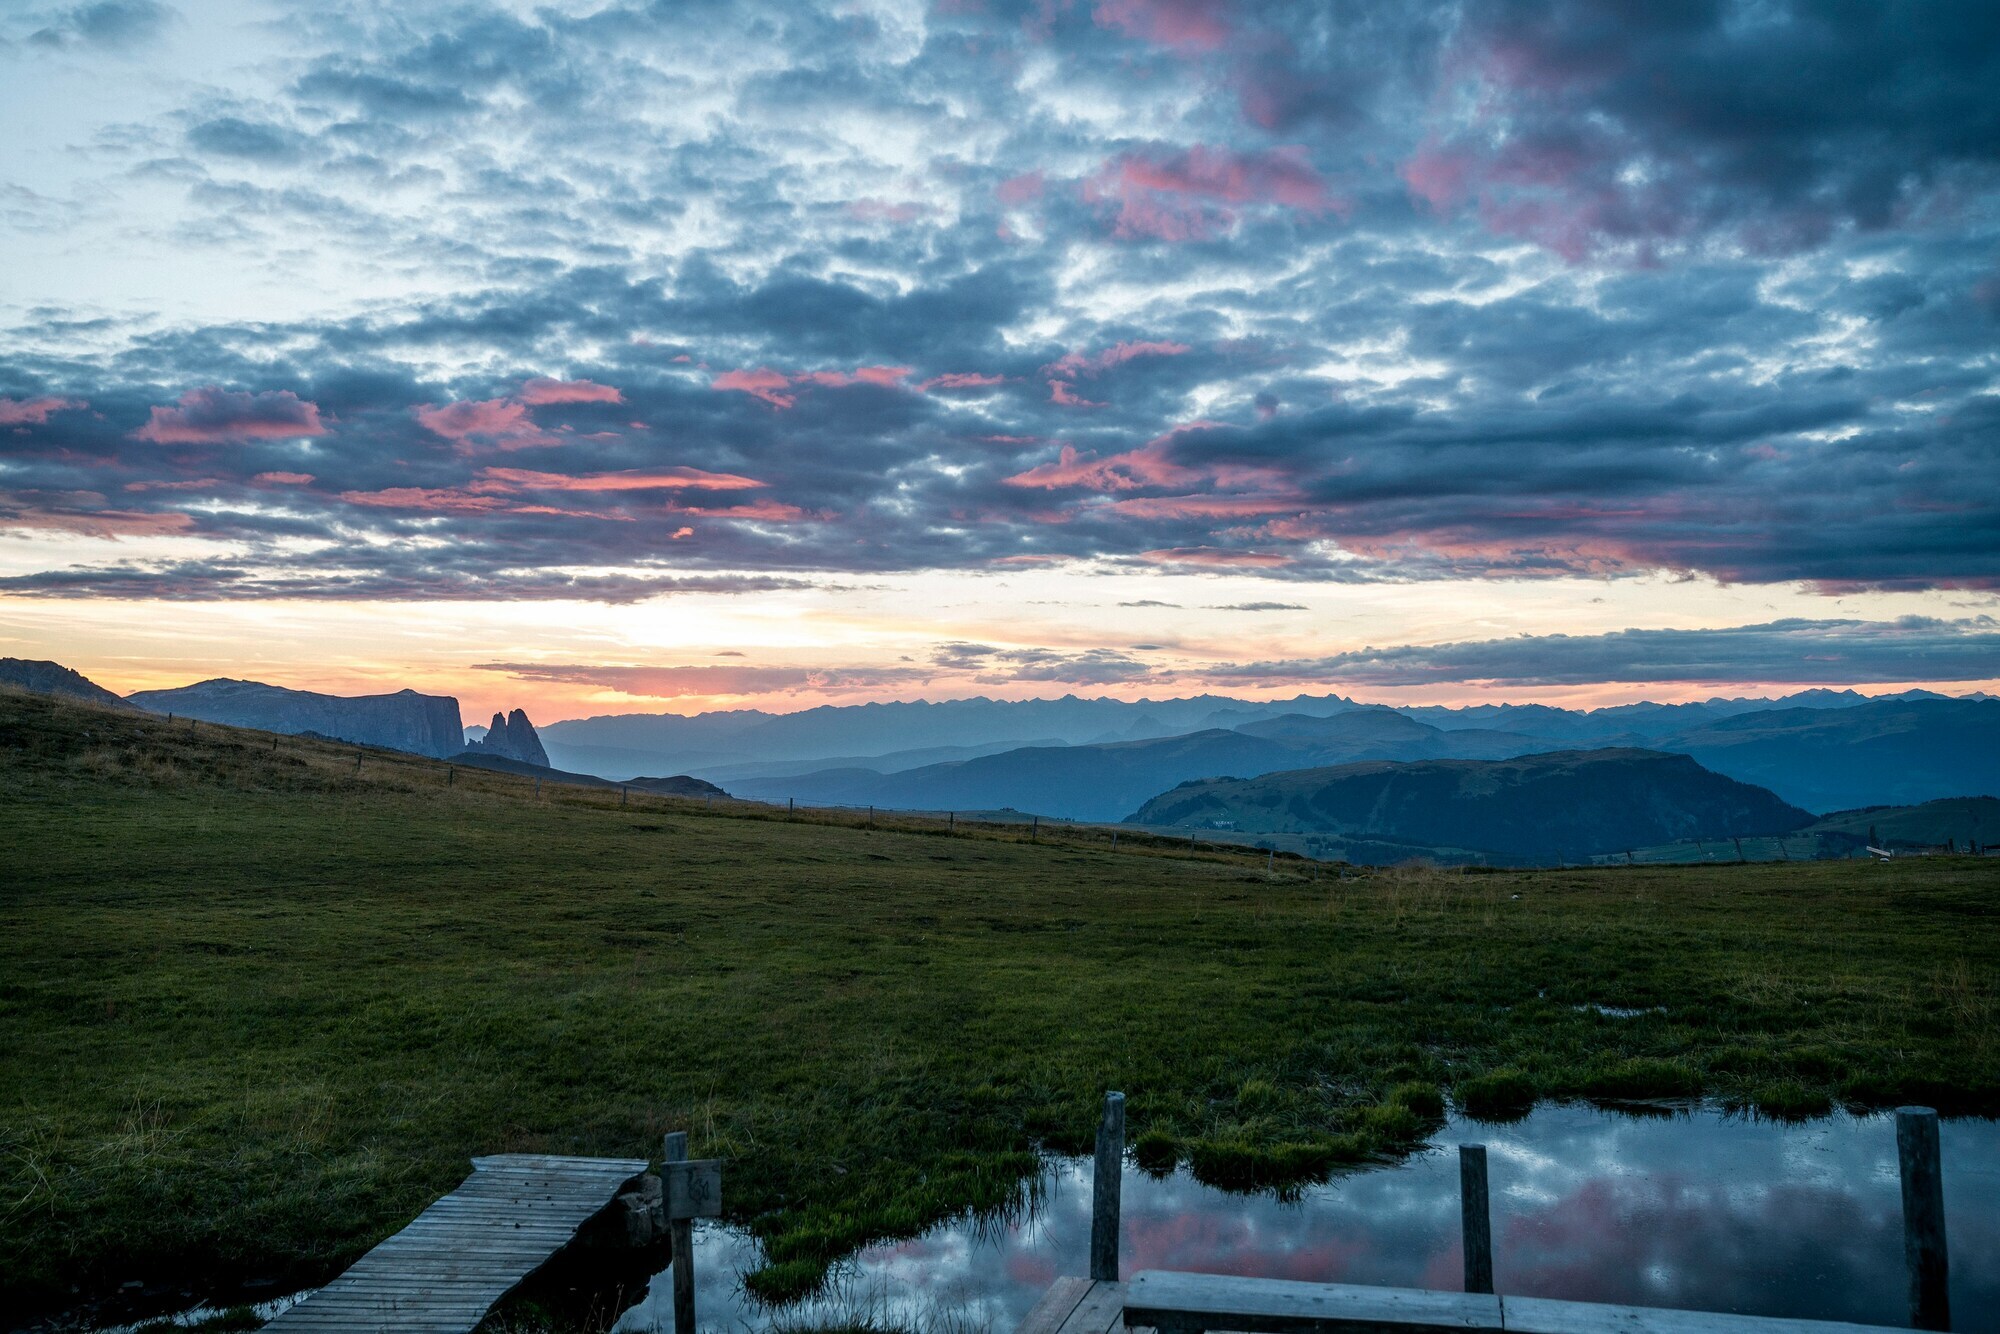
x=1696 y=1209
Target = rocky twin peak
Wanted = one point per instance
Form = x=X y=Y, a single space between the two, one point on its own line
x=513 y=737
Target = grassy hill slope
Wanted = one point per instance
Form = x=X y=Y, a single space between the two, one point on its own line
x=1534 y=808
x=258 y=1008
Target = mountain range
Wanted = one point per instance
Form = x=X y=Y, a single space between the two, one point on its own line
x=1101 y=759
x=1899 y=751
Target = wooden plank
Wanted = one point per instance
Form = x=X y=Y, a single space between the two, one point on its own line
x=1189 y=1303
x=1542 y=1315
x=443 y=1272
x=1923 y=1217
x=1101 y=1310
x=1475 y=1218
x=1054 y=1307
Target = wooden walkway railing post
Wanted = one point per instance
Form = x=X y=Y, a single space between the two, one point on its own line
x=1105 y=1180
x=1475 y=1217
x=1923 y=1217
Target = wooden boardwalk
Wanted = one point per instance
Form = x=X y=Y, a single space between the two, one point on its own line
x=1176 y=1303
x=447 y=1269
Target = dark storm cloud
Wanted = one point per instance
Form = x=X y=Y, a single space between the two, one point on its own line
x=1819 y=652
x=839 y=295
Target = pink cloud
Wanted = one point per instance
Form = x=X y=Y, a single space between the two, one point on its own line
x=649 y=480
x=1060 y=392
x=1205 y=507
x=961 y=380
x=108 y=524
x=215 y=416
x=501 y=422
x=449 y=499
x=1185 y=25
x=881 y=210
x=765 y=384
x=1072 y=364
x=773 y=386
x=1016 y=191
x=283 y=478
x=1197 y=194
x=768 y=511
x=538 y=391
x=504 y=423
x=35 y=411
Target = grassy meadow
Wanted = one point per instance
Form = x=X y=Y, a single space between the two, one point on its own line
x=257 y=1009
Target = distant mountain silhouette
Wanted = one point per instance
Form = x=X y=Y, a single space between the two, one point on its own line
x=52 y=678
x=1895 y=752
x=1533 y=808
x=406 y=720
x=1104 y=782
x=513 y=737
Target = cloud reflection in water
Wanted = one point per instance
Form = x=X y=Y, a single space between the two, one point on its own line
x=1697 y=1210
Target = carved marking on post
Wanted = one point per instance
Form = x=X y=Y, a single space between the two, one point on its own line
x=694 y=1189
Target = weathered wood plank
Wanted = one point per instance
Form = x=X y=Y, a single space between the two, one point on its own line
x=443 y=1272
x=1542 y=1315
x=1054 y=1307
x=1102 y=1309
x=1190 y=1303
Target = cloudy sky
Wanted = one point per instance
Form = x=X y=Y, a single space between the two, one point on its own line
x=602 y=356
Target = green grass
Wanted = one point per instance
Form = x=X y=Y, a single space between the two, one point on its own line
x=256 y=1011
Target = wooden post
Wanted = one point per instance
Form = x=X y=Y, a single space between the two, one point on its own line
x=1475 y=1217
x=1114 y=840
x=621 y=794
x=450 y=775
x=681 y=1231
x=538 y=787
x=951 y=821
x=1105 y=1179
x=1270 y=860
x=1923 y=1217
x=871 y=817
x=791 y=804
x=1034 y=829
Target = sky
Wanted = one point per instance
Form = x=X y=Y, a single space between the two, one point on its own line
x=600 y=357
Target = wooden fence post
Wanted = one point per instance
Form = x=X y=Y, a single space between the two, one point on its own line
x=1114 y=840
x=538 y=788
x=1105 y=1180
x=1476 y=1219
x=1923 y=1217
x=681 y=1231
x=951 y=821
x=1034 y=829
x=451 y=775
x=791 y=804
x=621 y=794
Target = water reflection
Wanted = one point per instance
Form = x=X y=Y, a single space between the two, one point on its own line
x=1698 y=1210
